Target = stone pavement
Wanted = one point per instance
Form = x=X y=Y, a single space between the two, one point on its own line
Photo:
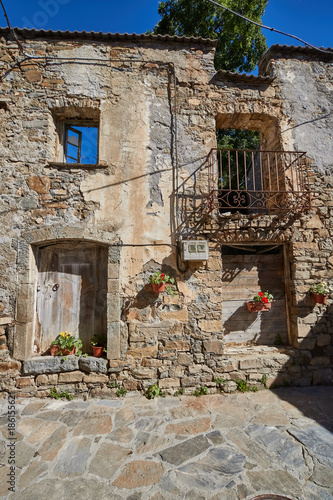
x=217 y=447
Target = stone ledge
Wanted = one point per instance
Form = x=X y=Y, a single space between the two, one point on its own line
x=50 y=364
x=92 y=364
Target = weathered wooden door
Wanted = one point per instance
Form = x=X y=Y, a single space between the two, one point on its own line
x=245 y=273
x=71 y=292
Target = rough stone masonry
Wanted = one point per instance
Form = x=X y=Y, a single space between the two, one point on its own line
x=79 y=241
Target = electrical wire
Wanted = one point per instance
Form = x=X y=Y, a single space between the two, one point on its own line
x=269 y=28
x=20 y=46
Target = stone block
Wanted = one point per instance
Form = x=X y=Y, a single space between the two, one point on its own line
x=185 y=359
x=92 y=364
x=6 y=320
x=9 y=365
x=142 y=352
x=113 y=271
x=50 y=364
x=113 y=340
x=225 y=366
x=210 y=325
x=24 y=382
x=306 y=343
x=320 y=361
x=113 y=309
x=143 y=334
x=323 y=340
x=33 y=76
x=189 y=381
x=168 y=383
x=43 y=380
x=324 y=377
x=70 y=377
x=180 y=315
x=94 y=378
x=113 y=286
x=177 y=345
x=213 y=346
x=144 y=373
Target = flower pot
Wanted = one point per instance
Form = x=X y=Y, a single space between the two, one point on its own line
x=158 y=287
x=258 y=306
x=319 y=298
x=54 y=349
x=98 y=351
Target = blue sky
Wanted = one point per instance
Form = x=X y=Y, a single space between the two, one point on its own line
x=311 y=20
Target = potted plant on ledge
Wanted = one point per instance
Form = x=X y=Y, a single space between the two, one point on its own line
x=261 y=302
x=160 y=282
x=98 y=345
x=320 y=292
x=66 y=344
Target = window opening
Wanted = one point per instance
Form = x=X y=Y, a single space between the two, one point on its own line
x=239 y=169
x=81 y=144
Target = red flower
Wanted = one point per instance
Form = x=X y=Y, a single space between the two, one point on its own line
x=264 y=300
x=260 y=294
x=162 y=275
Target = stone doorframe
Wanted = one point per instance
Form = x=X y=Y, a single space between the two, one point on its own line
x=27 y=279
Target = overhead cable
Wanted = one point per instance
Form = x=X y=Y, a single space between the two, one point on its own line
x=30 y=56
x=269 y=28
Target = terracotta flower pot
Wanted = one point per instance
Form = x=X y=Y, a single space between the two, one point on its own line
x=97 y=351
x=319 y=298
x=158 y=287
x=54 y=349
x=258 y=306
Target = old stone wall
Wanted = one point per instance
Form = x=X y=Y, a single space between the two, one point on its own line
x=158 y=102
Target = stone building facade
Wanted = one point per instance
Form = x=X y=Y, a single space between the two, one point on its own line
x=80 y=240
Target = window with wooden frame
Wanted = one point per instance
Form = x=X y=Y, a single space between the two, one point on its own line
x=81 y=143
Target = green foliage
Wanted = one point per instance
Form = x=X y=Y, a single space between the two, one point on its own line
x=240 y=43
x=121 y=392
x=321 y=288
x=158 y=278
x=180 y=392
x=264 y=380
x=67 y=342
x=220 y=381
x=201 y=391
x=54 y=394
x=154 y=391
x=243 y=386
x=98 y=340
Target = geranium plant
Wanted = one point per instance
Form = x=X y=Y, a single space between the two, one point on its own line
x=67 y=342
x=321 y=288
x=263 y=297
x=159 y=278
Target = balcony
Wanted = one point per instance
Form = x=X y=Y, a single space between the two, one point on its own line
x=258 y=181
x=247 y=182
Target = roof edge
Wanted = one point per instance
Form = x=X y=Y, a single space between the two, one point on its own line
x=105 y=37
x=291 y=51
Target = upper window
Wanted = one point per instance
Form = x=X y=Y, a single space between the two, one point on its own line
x=81 y=143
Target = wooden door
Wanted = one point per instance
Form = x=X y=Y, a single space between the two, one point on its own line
x=71 y=292
x=244 y=275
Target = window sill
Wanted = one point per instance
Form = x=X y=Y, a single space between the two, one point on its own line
x=89 y=166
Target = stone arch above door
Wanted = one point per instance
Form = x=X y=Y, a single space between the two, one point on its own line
x=27 y=273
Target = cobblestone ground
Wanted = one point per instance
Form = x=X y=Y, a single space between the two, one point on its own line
x=218 y=447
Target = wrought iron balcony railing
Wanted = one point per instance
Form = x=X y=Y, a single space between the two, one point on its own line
x=256 y=181
x=245 y=181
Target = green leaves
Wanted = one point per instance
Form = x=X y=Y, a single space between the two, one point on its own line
x=240 y=43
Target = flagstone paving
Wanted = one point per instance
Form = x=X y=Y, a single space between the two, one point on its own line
x=217 y=447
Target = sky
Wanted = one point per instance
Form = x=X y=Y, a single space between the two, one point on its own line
x=311 y=20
